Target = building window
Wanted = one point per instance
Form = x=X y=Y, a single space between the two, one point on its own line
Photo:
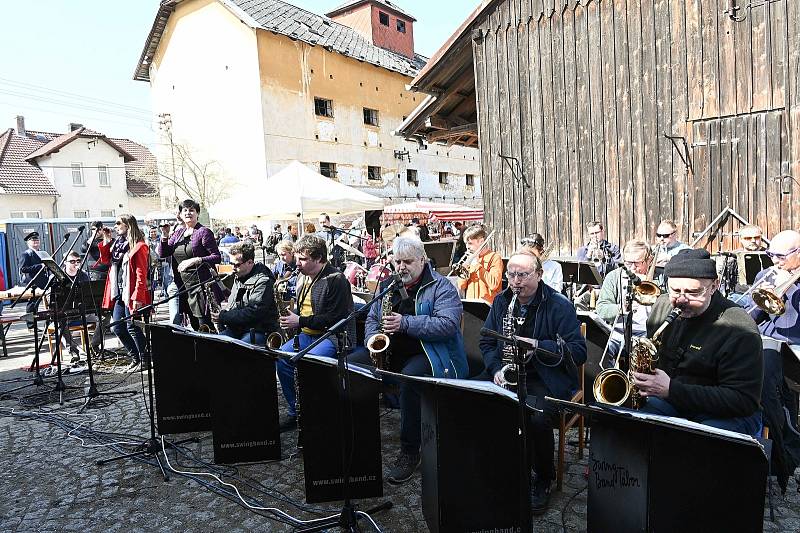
x=411 y=176
x=81 y=214
x=26 y=214
x=327 y=169
x=373 y=173
x=102 y=172
x=323 y=107
x=383 y=18
x=401 y=26
x=107 y=213
x=77 y=174
x=370 y=116
x=443 y=178
x=470 y=180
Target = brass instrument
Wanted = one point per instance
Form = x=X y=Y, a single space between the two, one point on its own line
x=460 y=268
x=276 y=339
x=647 y=291
x=771 y=300
x=212 y=306
x=614 y=386
x=510 y=370
x=379 y=344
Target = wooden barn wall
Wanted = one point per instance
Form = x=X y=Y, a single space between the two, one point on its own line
x=584 y=93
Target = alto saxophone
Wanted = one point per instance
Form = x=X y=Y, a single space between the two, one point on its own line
x=379 y=344
x=510 y=370
x=213 y=307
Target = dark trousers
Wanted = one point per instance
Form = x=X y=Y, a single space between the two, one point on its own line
x=31 y=307
x=410 y=402
x=541 y=442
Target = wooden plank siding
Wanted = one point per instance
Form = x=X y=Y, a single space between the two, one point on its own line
x=584 y=92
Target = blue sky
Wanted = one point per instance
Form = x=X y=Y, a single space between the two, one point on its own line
x=72 y=60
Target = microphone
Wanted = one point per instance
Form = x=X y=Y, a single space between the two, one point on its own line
x=80 y=229
x=635 y=279
x=401 y=288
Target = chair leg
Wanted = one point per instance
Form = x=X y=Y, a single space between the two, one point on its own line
x=562 y=434
x=50 y=345
x=769 y=498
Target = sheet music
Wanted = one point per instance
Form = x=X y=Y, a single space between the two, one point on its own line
x=686 y=424
x=351 y=367
x=488 y=387
x=770 y=343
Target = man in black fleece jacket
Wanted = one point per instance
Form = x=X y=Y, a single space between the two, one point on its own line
x=710 y=367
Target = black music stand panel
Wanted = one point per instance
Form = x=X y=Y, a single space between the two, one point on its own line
x=321 y=423
x=470 y=461
x=182 y=386
x=244 y=403
x=579 y=271
x=648 y=475
x=475 y=313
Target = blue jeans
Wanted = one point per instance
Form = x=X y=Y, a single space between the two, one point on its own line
x=285 y=367
x=260 y=338
x=174 y=304
x=749 y=425
x=127 y=332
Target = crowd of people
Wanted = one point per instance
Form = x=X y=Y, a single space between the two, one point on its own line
x=711 y=367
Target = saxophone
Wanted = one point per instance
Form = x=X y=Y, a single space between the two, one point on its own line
x=379 y=344
x=212 y=306
x=614 y=386
x=276 y=339
x=510 y=370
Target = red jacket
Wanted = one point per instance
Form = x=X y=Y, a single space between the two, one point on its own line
x=138 y=265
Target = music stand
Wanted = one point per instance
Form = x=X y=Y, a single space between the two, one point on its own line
x=578 y=272
x=750 y=264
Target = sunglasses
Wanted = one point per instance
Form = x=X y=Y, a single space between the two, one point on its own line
x=73 y=261
x=237 y=265
x=781 y=257
x=665 y=235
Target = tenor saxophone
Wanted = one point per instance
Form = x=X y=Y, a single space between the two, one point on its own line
x=276 y=339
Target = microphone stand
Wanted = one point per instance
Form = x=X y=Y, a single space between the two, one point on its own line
x=525 y=521
x=348 y=518
x=152 y=446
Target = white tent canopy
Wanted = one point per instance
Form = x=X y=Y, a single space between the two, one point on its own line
x=295 y=191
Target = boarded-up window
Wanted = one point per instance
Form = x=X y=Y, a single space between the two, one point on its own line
x=323 y=107
x=327 y=169
x=411 y=176
x=373 y=173
x=370 y=116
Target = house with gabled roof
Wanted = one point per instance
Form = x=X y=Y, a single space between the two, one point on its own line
x=255 y=84
x=81 y=173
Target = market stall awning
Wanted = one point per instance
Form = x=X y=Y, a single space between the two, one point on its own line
x=424 y=211
x=294 y=191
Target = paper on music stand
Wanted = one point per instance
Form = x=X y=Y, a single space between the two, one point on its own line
x=52 y=266
x=358 y=369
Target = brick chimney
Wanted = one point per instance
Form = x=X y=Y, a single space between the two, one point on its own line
x=21 y=126
x=381 y=22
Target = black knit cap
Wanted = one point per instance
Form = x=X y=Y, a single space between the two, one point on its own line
x=695 y=263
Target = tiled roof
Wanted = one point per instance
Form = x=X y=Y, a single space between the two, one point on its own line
x=62 y=140
x=17 y=176
x=386 y=3
x=142 y=172
x=296 y=23
x=19 y=173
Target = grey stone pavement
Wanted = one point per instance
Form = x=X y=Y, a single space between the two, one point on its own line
x=49 y=480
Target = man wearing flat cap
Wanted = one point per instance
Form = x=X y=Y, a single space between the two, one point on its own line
x=30 y=267
x=709 y=367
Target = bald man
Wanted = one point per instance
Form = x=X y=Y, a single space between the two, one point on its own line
x=784 y=250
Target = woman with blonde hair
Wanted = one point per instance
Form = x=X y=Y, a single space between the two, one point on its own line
x=126 y=285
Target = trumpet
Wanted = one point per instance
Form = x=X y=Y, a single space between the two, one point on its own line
x=461 y=268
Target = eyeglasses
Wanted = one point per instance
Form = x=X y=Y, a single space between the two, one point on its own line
x=781 y=257
x=665 y=235
x=634 y=263
x=690 y=294
x=237 y=265
x=753 y=238
x=73 y=261
x=521 y=275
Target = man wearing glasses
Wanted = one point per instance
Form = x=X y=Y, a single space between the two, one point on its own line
x=611 y=302
x=72 y=264
x=709 y=366
x=667 y=243
x=251 y=305
x=549 y=322
x=598 y=250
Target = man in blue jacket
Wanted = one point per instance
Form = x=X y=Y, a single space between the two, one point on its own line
x=549 y=322
x=426 y=340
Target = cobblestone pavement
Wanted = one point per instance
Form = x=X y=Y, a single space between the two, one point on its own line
x=50 y=481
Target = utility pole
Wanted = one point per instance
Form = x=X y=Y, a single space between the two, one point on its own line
x=165 y=124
